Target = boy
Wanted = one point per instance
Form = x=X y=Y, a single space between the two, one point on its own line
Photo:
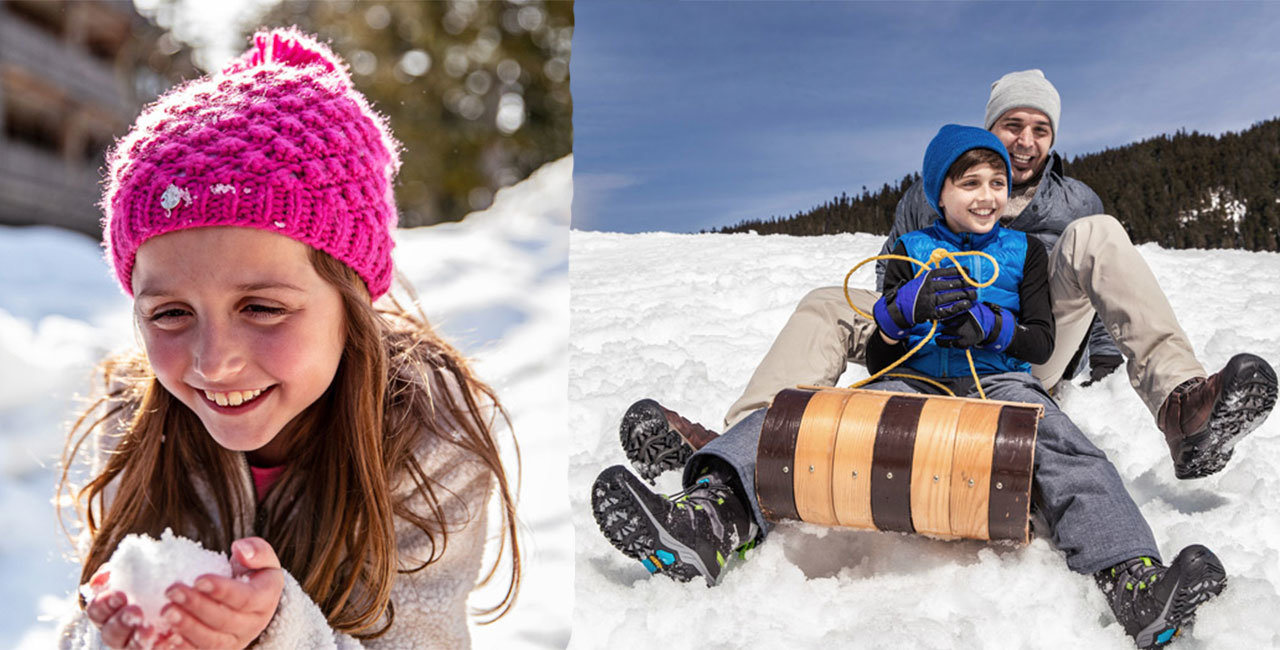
x=1007 y=326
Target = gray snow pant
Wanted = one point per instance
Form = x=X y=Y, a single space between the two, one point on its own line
x=1076 y=489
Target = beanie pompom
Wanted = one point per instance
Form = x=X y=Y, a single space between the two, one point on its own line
x=287 y=47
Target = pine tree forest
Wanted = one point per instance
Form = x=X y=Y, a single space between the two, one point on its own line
x=1186 y=190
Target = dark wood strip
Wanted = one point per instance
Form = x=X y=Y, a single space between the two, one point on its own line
x=776 y=452
x=1011 y=467
x=891 y=463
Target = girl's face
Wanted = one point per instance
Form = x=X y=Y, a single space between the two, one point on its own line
x=238 y=326
x=975 y=202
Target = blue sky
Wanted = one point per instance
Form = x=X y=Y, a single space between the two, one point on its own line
x=691 y=115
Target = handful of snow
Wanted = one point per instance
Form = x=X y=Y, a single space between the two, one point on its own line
x=144 y=567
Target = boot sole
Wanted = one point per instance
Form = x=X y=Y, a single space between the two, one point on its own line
x=1247 y=398
x=1202 y=581
x=631 y=527
x=652 y=447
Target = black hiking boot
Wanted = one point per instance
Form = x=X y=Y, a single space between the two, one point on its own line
x=689 y=534
x=1154 y=603
x=1204 y=418
x=656 y=439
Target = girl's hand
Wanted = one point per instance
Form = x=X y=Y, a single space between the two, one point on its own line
x=226 y=612
x=116 y=619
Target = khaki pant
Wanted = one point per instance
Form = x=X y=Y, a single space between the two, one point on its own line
x=1094 y=266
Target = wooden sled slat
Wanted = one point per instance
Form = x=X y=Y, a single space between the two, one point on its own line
x=931 y=477
x=851 y=467
x=815 y=448
x=1013 y=453
x=776 y=454
x=891 y=463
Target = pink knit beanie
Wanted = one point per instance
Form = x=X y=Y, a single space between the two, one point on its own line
x=279 y=140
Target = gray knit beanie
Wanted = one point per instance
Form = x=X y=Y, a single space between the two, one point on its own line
x=1024 y=89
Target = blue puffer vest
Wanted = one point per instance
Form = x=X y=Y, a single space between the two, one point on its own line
x=1009 y=248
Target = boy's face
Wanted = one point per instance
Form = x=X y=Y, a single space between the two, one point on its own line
x=975 y=202
x=1028 y=135
x=240 y=327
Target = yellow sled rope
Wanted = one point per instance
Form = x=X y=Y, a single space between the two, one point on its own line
x=935 y=258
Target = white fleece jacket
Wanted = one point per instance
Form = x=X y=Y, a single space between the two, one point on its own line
x=430 y=604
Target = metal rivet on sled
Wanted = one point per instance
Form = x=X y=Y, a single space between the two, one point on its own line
x=970 y=482
x=999 y=486
x=785 y=469
x=855 y=473
x=888 y=475
x=811 y=469
x=935 y=478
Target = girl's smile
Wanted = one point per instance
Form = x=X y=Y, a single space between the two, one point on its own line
x=236 y=401
x=240 y=327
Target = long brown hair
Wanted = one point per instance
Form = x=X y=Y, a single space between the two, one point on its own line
x=391 y=393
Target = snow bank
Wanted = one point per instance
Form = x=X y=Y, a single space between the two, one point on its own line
x=495 y=284
x=685 y=318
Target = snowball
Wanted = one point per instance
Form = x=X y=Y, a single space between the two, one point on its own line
x=143 y=568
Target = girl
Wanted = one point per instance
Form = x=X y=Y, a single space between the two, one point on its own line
x=1009 y=325
x=343 y=454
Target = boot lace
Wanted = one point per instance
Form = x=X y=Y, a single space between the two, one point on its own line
x=704 y=491
x=1135 y=576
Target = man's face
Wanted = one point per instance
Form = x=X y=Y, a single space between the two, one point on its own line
x=1028 y=135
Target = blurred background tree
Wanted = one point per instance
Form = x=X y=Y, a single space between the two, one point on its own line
x=477 y=92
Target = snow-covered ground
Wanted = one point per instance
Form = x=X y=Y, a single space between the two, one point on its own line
x=495 y=284
x=685 y=318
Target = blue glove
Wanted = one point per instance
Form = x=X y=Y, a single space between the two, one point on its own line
x=936 y=295
x=983 y=326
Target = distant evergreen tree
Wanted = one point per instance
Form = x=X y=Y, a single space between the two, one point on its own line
x=1186 y=190
x=868 y=212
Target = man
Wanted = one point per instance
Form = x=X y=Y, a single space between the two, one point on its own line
x=1093 y=268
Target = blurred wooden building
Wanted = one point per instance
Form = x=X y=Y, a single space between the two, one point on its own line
x=73 y=75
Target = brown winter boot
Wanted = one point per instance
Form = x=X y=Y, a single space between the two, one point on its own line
x=1204 y=418
x=656 y=439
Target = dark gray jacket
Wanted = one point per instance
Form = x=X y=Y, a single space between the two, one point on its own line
x=1058 y=201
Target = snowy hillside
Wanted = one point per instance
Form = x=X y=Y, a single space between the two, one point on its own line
x=685 y=318
x=495 y=284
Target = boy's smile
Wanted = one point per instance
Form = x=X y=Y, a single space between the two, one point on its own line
x=240 y=327
x=976 y=201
